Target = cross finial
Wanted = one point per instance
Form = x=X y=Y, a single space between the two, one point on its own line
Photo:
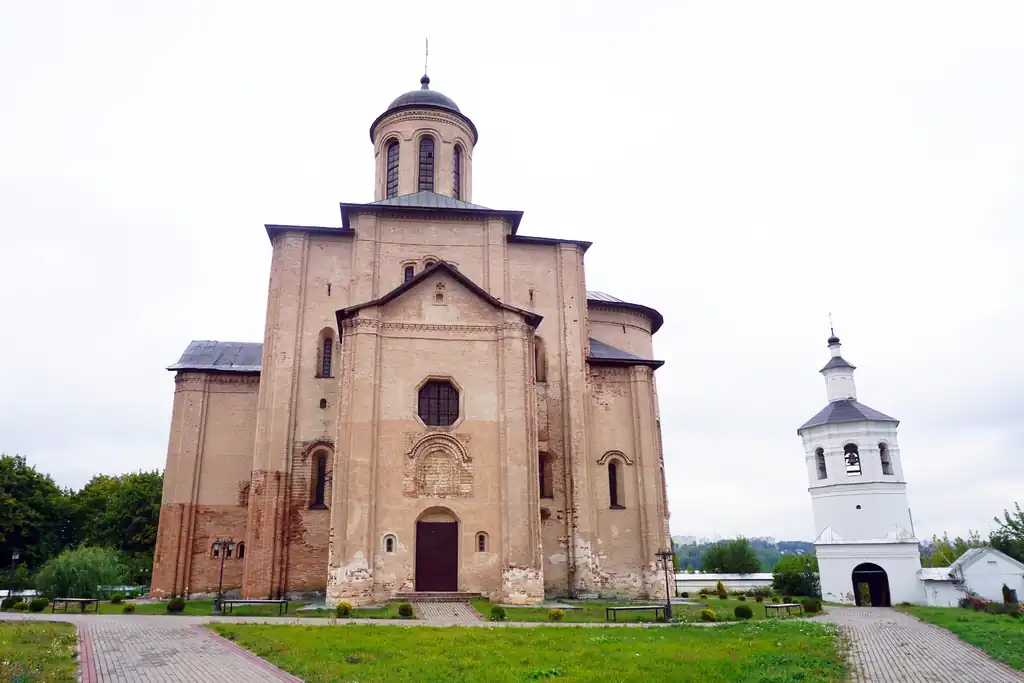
x=426 y=53
x=831 y=328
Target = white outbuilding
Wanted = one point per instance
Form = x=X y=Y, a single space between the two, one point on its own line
x=982 y=571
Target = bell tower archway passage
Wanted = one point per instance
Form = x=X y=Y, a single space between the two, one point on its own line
x=437 y=551
x=871 y=586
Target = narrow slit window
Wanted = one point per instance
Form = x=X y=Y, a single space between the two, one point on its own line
x=883 y=453
x=409 y=273
x=319 y=481
x=392 y=175
x=457 y=173
x=615 y=497
x=241 y=551
x=426 y=182
x=547 y=481
x=481 y=543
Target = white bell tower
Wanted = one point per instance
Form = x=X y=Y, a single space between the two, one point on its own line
x=867 y=551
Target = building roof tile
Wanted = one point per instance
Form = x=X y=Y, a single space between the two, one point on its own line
x=847 y=410
x=217 y=356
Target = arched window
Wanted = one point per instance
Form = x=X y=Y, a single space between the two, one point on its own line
x=540 y=360
x=457 y=173
x=428 y=263
x=216 y=549
x=883 y=453
x=852 y=456
x=481 y=542
x=323 y=403
x=614 y=494
x=325 y=366
x=438 y=403
x=426 y=182
x=389 y=543
x=392 y=176
x=319 y=480
x=819 y=459
x=547 y=481
x=409 y=273
x=227 y=551
x=241 y=551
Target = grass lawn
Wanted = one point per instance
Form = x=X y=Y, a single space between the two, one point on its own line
x=594 y=611
x=194 y=608
x=388 y=611
x=1001 y=636
x=735 y=653
x=38 y=651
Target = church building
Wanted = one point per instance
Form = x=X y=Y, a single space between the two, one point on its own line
x=439 y=405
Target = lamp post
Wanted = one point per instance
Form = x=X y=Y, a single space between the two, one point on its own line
x=15 y=554
x=664 y=556
x=223 y=548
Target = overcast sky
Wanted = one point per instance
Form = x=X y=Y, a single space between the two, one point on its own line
x=744 y=168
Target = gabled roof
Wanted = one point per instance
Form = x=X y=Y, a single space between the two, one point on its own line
x=531 y=318
x=602 y=299
x=847 y=410
x=606 y=354
x=975 y=554
x=216 y=356
x=430 y=203
x=838 y=362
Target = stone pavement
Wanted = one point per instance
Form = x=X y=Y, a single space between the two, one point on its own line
x=461 y=613
x=889 y=646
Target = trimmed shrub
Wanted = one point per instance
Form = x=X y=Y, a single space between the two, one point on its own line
x=21 y=607
x=723 y=596
x=775 y=599
x=787 y=598
x=708 y=615
x=405 y=610
x=497 y=613
x=116 y=598
x=128 y=608
x=741 y=598
x=8 y=603
x=38 y=604
x=759 y=598
x=343 y=610
x=743 y=612
x=176 y=605
x=684 y=594
x=556 y=615
x=703 y=592
x=720 y=588
x=811 y=605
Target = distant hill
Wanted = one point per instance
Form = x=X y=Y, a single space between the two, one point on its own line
x=690 y=549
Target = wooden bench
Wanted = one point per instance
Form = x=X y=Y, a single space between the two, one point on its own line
x=788 y=606
x=659 y=611
x=227 y=605
x=83 y=603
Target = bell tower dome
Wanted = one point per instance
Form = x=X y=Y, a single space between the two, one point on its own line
x=423 y=143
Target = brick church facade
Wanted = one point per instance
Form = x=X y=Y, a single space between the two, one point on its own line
x=438 y=404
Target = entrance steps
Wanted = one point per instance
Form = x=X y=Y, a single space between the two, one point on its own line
x=438 y=596
x=446 y=612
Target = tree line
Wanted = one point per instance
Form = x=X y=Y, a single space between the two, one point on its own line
x=41 y=520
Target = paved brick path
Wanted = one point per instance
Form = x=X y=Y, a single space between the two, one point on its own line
x=446 y=612
x=889 y=646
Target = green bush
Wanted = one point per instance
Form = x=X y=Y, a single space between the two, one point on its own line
x=128 y=608
x=708 y=615
x=811 y=605
x=684 y=594
x=8 y=603
x=343 y=610
x=1010 y=609
x=787 y=598
x=720 y=588
x=176 y=605
x=556 y=615
x=21 y=607
x=497 y=613
x=80 y=572
x=723 y=596
x=116 y=598
x=796 y=575
x=743 y=612
x=759 y=598
x=38 y=604
x=775 y=599
x=405 y=610
x=741 y=598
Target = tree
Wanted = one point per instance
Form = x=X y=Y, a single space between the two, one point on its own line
x=80 y=573
x=122 y=512
x=1009 y=535
x=944 y=551
x=731 y=557
x=36 y=517
x=796 y=575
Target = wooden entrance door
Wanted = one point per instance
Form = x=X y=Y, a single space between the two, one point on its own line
x=437 y=556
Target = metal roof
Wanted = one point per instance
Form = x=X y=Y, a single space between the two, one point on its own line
x=838 y=362
x=601 y=353
x=430 y=200
x=424 y=97
x=657 y=320
x=216 y=356
x=847 y=410
x=593 y=295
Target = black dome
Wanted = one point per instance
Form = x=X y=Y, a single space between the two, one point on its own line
x=424 y=97
x=833 y=340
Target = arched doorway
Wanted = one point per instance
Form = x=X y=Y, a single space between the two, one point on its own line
x=871 y=586
x=437 y=551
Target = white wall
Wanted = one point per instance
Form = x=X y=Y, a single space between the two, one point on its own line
x=899 y=560
x=692 y=583
x=942 y=593
x=882 y=506
x=987 y=575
